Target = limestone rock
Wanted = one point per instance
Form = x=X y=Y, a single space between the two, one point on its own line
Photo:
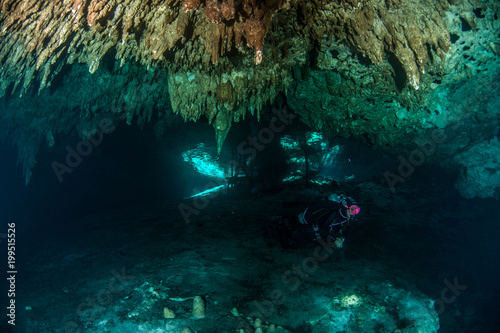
x=235 y=312
x=198 y=307
x=168 y=313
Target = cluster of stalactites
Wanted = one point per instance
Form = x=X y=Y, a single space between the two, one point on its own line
x=247 y=18
x=37 y=37
x=405 y=28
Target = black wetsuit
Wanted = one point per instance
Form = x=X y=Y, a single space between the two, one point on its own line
x=325 y=218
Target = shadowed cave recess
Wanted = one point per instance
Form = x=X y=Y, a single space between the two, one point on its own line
x=153 y=153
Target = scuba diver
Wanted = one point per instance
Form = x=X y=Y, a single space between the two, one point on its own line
x=323 y=220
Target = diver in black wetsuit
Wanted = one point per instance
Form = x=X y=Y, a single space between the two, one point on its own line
x=323 y=220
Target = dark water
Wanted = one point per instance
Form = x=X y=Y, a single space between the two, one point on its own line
x=425 y=228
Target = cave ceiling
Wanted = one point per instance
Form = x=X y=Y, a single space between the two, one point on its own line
x=385 y=73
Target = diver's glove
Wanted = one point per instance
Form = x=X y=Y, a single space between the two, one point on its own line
x=339 y=242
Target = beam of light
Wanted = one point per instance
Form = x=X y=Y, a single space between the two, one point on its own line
x=203 y=162
x=207 y=192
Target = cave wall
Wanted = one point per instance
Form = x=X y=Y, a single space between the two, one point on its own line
x=449 y=120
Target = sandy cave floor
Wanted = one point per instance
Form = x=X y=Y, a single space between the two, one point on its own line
x=116 y=272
